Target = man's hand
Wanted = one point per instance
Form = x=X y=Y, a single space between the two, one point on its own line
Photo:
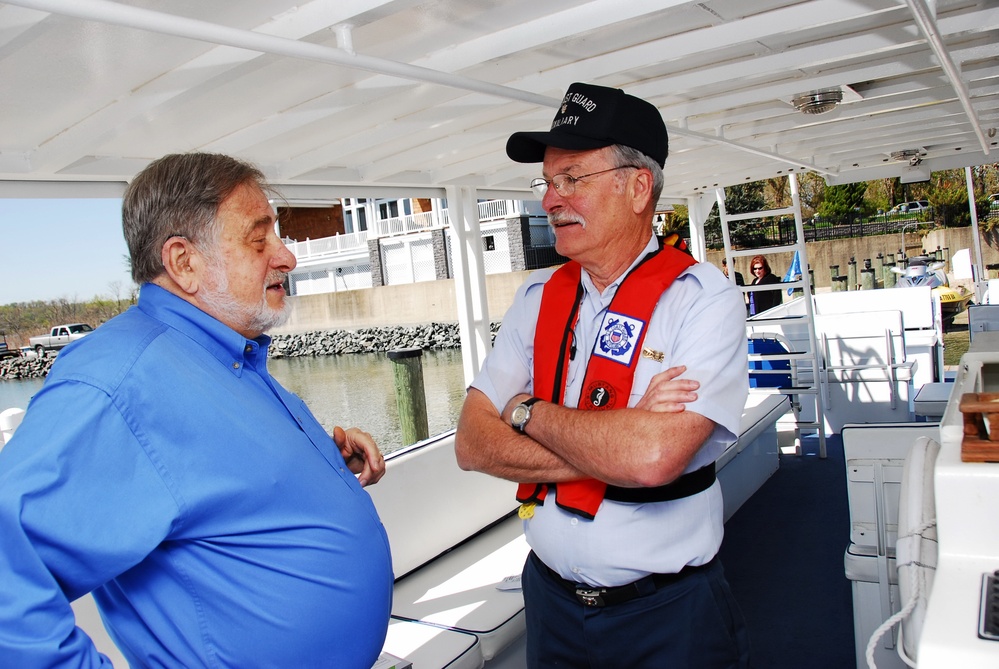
x=360 y=453
x=668 y=394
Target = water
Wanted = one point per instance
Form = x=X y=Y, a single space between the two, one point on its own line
x=359 y=390
x=345 y=390
x=17 y=393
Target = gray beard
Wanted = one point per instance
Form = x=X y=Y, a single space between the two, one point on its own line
x=219 y=303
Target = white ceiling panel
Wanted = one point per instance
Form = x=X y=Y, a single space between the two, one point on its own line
x=421 y=94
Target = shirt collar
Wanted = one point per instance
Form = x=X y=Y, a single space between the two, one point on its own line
x=225 y=344
x=611 y=289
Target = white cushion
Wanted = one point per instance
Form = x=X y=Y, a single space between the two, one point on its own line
x=429 y=647
x=458 y=590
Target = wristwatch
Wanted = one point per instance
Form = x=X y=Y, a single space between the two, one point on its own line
x=522 y=413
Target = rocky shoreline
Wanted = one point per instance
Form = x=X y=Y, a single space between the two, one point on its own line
x=432 y=336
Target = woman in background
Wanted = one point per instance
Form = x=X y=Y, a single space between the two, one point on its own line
x=761 y=300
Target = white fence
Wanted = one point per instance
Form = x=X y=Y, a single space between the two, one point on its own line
x=402 y=225
x=327 y=246
x=331 y=280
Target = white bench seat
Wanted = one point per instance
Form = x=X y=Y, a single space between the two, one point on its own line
x=458 y=590
x=429 y=646
x=753 y=458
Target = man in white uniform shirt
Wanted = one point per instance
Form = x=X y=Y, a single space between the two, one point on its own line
x=588 y=399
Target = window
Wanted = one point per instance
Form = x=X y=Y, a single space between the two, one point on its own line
x=489 y=243
x=388 y=209
x=354 y=216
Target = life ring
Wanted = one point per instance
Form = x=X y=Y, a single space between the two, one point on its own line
x=915 y=550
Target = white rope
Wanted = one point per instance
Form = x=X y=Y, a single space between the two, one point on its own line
x=910 y=606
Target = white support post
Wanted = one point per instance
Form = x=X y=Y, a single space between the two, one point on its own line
x=469 y=279
x=698 y=209
x=981 y=279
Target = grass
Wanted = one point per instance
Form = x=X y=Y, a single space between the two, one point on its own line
x=956 y=340
x=955 y=345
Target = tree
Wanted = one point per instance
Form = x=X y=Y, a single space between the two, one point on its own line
x=740 y=199
x=845 y=201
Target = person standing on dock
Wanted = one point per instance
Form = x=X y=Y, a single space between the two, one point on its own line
x=581 y=402
x=164 y=470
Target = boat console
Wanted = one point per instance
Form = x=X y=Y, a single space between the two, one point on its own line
x=955 y=632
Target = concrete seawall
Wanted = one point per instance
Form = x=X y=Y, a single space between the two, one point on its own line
x=434 y=301
x=407 y=304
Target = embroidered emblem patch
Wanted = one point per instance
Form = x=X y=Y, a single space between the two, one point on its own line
x=618 y=334
x=601 y=395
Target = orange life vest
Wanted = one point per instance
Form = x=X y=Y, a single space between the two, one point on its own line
x=610 y=370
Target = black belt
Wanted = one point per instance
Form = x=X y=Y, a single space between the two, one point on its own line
x=686 y=485
x=620 y=594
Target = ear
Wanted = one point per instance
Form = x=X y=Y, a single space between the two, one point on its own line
x=641 y=190
x=182 y=264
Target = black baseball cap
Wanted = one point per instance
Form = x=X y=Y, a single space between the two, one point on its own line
x=592 y=117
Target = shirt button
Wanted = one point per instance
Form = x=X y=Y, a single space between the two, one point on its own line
x=575 y=570
x=235 y=365
x=247 y=349
x=574 y=521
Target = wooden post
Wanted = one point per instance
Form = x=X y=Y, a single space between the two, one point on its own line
x=867 y=278
x=888 y=273
x=409 y=394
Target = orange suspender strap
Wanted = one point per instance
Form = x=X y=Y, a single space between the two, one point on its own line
x=552 y=349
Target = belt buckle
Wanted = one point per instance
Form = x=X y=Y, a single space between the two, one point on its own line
x=590 y=596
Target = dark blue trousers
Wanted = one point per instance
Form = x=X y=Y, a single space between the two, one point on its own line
x=693 y=623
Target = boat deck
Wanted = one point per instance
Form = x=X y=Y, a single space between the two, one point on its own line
x=783 y=556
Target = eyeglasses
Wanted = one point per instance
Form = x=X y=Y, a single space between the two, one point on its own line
x=565 y=184
x=756 y=268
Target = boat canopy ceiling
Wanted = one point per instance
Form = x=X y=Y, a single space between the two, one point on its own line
x=335 y=98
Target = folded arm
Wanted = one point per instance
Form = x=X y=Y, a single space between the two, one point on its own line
x=648 y=445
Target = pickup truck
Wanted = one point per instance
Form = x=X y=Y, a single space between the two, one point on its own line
x=59 y=337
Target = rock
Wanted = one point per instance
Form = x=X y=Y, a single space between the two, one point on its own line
x=431 y=336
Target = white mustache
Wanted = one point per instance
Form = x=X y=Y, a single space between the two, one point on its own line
x=562 y=217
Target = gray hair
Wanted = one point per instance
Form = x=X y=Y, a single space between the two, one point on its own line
x=178 y=195
x=625 y=155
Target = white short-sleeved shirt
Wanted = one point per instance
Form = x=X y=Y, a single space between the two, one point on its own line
x=698 y=322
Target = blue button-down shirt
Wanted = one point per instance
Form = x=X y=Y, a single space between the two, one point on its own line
x=163 y=469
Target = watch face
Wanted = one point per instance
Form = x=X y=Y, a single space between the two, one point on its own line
x=519 y=415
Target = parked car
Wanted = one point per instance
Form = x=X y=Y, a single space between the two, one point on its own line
x=994 y=201
x=58 y=337
x=911 y=207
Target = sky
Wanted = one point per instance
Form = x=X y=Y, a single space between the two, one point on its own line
x=61 y=248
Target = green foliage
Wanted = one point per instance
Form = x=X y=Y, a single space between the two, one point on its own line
x=740 y=199
x=845 y=201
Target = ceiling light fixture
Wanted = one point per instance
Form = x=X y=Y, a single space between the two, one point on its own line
x=818 y=102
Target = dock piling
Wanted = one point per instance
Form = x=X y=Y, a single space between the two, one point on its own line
x=409 y=394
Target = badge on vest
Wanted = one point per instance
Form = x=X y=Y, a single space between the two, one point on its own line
x=618 y=334
x=601 y=395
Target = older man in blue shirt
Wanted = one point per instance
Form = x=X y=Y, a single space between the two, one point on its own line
x=162 y=468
